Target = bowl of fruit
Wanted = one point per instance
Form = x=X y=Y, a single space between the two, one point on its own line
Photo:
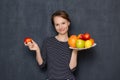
x=81 y=41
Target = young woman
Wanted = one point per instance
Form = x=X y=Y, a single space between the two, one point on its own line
x=55 y=53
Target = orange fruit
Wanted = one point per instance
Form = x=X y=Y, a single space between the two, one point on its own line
x=92 y=40
x=72 y=41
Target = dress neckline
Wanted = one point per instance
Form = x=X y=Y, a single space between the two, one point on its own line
x=59 y=40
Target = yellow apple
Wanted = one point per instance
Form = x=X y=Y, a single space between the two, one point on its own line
x=88 y=44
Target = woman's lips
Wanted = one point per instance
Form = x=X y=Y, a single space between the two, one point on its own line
x=61 y=30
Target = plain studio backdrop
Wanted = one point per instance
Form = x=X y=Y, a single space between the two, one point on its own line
x=22 y=18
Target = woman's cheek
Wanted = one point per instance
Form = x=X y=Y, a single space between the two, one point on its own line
x=57 y=29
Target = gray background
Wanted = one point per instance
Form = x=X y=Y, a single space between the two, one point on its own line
x=21 y=18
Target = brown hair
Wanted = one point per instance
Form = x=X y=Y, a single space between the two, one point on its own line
x=60 y=13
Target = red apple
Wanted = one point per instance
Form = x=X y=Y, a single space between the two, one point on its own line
x=86 y=36
x=80 y=36
x=27 y=39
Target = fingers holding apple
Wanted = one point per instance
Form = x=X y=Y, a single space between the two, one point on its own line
x=32 y=45
x=27 y=41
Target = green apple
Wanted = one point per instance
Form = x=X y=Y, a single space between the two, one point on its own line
x=80 y=43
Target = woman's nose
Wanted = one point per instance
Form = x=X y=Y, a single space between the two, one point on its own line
x=60 y=26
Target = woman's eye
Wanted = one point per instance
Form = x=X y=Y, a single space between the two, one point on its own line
x=56 y=25
x=63 y=23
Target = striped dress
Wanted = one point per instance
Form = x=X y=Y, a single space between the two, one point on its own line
x=56 y=56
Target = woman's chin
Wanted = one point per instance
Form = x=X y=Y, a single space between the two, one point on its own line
x=63 y=33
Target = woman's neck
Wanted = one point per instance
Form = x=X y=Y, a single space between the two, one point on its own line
x=63 y=38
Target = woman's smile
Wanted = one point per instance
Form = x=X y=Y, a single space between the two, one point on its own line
x=62 y=29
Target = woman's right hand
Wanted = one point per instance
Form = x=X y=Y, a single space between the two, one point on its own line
x=32 y=46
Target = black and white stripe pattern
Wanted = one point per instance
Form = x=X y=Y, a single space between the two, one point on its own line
x=57 y=56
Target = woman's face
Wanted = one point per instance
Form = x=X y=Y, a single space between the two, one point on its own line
x=61 y=25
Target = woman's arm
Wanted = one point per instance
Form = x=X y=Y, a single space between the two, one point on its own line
x=73 y=60
x=34 y=47
x=39 y=57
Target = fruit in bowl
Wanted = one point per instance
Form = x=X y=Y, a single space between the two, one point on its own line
x=81 y=41
x=92 y=40
x=84 y=36
x=72 y=41
x=88 y=44
x=80 y=36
